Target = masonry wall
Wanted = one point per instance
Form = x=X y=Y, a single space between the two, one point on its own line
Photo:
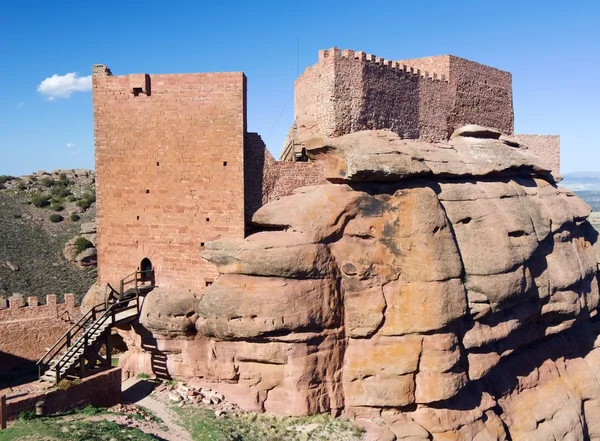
x=545 y=147
x=26 y=331
x=348 y=91
x=169 y=171
x=101 y=390
x=267 y=180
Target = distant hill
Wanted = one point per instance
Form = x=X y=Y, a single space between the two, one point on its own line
x=581 y=181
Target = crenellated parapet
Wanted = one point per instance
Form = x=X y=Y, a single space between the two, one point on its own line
x=363 y=57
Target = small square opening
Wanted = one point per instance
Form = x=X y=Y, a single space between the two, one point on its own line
x=147 y=191
x=224 y=163
x=208 y=219
x=138 y=218
x=157 y=163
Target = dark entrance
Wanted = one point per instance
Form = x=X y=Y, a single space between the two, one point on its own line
x=146 y=270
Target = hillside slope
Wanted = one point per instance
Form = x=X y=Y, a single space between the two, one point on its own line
x=31 y=245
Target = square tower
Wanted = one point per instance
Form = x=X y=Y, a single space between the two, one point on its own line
x=169 y=153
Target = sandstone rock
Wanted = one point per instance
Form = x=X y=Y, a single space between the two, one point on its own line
x=88 y=228
x=11 y=266
x=446 y=291
x=236 y=306
x=95 y=295
x=87 y=257
x=169 y=310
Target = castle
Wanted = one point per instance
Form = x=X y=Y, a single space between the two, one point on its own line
x=176 y=166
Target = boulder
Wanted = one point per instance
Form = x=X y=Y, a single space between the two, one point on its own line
x=88 y=257
x=169 y=311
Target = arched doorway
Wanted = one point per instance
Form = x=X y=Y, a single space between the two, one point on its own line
x=147 y=275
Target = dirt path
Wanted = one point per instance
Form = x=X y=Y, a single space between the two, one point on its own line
x=138 y=392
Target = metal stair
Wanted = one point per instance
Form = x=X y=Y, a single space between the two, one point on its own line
x=77 y=352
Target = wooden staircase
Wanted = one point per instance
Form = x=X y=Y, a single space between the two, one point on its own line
x=78 y=352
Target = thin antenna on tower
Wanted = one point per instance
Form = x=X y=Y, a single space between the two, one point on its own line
x=297 y=56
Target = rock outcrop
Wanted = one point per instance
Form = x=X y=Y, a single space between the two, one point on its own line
x=432 y=291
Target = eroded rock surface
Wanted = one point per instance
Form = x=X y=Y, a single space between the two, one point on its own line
x=445 y=291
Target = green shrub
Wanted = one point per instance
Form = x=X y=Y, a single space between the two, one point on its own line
x=5 y=178
x=74 y=217
x=40 y=200
x=33 y=178
x=83 y=203
x=142 y=376
x=47 y=182
x=72 y=198
x=21 y=186
x=56 y=218
x=2 y=187
x=90 y=196
x=56 y=207
x=60 y=192
x=82 y=244
x=63 y=180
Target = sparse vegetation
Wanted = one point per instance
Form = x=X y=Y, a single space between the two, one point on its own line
x=82 y=244
x=56 y=218
x=55 y=206
x=204 y=425
x=57 y=428
x=47 y=181
x=39 y=200
x=20 y=185
x=74 y=217
x=5 y=178
x=142 y=376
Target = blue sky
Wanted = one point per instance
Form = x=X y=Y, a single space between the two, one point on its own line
x=552 y=49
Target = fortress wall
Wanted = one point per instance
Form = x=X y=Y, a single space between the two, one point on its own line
x=26 y=330
x=292 y=175
x=545 y=147
x=314 y=98
x=482 y=95
x=365 y=92
x=169 y=170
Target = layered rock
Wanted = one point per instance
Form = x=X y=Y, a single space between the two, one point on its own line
x=447 y=291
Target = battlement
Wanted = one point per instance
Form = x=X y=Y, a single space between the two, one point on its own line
x=19 y=307
x=363 y=57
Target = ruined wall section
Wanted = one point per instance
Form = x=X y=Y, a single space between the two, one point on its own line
x=28 y=328
x=545 y=147
x=170 y=171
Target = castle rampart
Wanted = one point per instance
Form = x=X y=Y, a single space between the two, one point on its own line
x=27 y=329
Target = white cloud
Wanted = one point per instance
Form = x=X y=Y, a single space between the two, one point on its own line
x=62 y=86
x=70 y=145
x=21 y=104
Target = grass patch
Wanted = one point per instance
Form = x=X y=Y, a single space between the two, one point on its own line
x=55 y=428
x=204 y=425
x=20 y=186
x=47 y=182
x=142 y=376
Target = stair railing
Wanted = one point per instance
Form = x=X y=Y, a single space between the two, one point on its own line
x=108 y=310
x=66 y=341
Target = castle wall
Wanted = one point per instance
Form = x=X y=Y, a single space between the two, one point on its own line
x=27 y=330
x=477 y=94
x=483 y=95
x=545 y=147
x=349 y=91
x=169 y=171
x=267 y=180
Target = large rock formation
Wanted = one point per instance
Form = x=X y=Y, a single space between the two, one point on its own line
x=435 y=291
